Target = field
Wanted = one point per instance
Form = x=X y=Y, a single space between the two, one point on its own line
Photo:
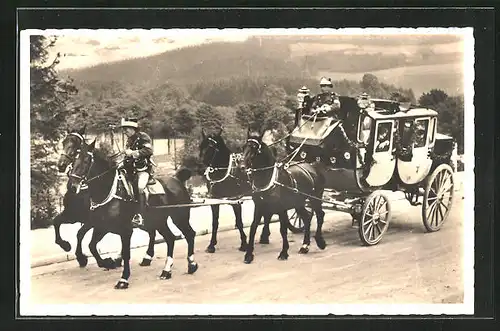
x=447 y=77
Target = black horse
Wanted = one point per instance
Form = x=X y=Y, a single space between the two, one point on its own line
x=225 y=180
x=75 y=206
x=112 y=208
x=277 y=189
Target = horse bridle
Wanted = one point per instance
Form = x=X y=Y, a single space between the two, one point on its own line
x=73 y=157
x=84 y=177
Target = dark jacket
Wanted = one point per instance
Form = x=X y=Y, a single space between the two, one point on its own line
x=141 y=142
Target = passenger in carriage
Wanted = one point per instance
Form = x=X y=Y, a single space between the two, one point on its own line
x=326 y=103
x=138 y=152
x=383 y=142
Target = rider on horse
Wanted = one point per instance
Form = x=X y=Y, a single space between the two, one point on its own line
x=139 y=149
x=327 y=101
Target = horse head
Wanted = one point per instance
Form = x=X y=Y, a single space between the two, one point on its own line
x=210 y=148
x=90 y=164
x=256 y=153
x=72 y=143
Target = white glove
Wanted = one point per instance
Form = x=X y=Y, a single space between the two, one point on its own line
x=128 y=152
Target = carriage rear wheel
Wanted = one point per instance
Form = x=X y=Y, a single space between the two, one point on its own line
x=375 y=217
x=438 y=197
x=295 y=222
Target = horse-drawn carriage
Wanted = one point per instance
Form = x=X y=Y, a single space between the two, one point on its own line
x=373 y=145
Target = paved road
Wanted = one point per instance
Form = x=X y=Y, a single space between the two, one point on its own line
x=408 y=265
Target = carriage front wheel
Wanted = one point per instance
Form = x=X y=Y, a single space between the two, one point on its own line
x=438 y=197
x=375 y=217
x=295 y=222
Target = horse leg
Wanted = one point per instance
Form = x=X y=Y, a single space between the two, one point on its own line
x=320 y=214
x=57 y=221
x=181 y=221
x=306 y=217
x=283 y=230
x=148 y=257
x=257 y=215
x=215 y=227
x=126 y=236
x=239 y=226
x=264 y=236
x=97 y=236
x=80 y=257
x=169 y=237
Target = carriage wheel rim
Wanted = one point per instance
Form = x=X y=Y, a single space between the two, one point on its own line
x=439 y=199
x=375 y=221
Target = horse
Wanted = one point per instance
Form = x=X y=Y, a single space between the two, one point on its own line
x=225 y=180
x=116 y=207
x=277 y=189
x=75 y=206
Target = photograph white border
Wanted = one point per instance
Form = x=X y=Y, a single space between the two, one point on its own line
x=28 y=309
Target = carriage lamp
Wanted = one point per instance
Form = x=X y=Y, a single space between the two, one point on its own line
x=303 y=154
x=347 y=155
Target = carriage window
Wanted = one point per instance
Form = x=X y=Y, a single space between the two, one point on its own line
x=383 y=141
x=364 y=129
x=421 y=127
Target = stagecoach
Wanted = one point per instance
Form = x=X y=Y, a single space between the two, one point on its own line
x=370 y=147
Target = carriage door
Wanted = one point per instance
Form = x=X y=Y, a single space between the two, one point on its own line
x=414 y=171
x=383 y=160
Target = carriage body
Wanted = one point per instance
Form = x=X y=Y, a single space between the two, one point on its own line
x=373 y=146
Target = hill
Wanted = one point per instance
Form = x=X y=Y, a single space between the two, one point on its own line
x=273 y=57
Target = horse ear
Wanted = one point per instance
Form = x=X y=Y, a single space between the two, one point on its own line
x=203 y=135
x=248 y=132
x=82 y=130
x=220 y=131
x=92 y=145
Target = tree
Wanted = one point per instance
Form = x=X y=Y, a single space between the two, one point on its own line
x=49 y=95
x=432 y=98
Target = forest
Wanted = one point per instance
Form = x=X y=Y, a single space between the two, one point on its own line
x=177 y=103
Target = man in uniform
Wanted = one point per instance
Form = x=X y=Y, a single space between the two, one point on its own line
x=138 y=152
x=326 y=102
x=303 y=100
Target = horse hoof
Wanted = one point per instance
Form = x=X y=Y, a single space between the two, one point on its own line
x=304 y=250
x=210 y=249
x=264 y=241
x=243 y=248
x=145 y=262
x=248 y=258
x=166 y=274
x=108 y=263
x=121 y=285
x=283 y=256
x=66 y=246
x=118 y=262
x=82 y=261
x=321 y=243
x=192 y=267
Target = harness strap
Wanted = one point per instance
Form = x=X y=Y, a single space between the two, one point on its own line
x=111 y=195
x=209 y=170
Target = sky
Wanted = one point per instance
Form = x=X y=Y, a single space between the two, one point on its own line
x=81 y=48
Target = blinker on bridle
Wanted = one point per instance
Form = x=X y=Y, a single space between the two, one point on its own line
x=256 y=142
x=80 y=137
x=83 y=177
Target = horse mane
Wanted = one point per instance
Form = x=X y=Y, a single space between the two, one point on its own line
x=104 y=156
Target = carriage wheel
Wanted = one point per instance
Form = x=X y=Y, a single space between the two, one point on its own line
x=438 y=197
x=375 y=218
x=295 y=222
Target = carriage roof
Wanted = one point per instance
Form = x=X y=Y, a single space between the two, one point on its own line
x=410 y=113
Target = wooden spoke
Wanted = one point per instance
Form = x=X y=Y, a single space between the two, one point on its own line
x=438 y=197
x=372 y=229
